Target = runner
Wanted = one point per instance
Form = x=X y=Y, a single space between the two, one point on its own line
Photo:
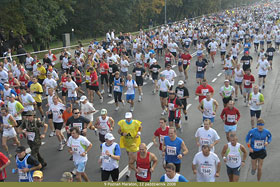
x=15 y=109
x=208 y=107
x=186 y=62
x=87 y=109
x=206 y=165
x=183 y=94
x=230 y=116
x=104 y=67
x=170 y=75
x=206 y=136
x=163 y=85
x=109 y=159
x=263 y=66
x=118 y=88
x=171 y=175
x=213 y=45
x=155 y=68
x=130 y=131
x=200 y=70
x=72 y=89
x=173 y=149
x=228 y=67
x=227 y=92
x=4 y=163
x=146 y=163
x=238 y=80
x=79 y=146
x=174 y=108
x=63 y=85
x=269 y=53
x=259 y=139
x=36 y=91
x=130 y=85
x=26 y=164
x=231 y=154
x=104 y=124
x=94 y=85
x=7 y=127
x=203 y=89
x=256 y=99
x=139 y=73
x=248 y=82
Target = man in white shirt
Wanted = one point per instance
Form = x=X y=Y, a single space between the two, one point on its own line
x=49 y=82
x=130 y=85
x=164 y=86
x=87 y=108
x=263 y=66
x=213 y=45
x=72 y=89
x=170 y=75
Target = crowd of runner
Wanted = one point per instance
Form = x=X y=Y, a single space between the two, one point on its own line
x=104 y=68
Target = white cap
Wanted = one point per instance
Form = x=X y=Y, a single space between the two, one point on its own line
x=128 y=115
x=181 y=82
x=109 y=136
x=226 y=80
x=83 y=98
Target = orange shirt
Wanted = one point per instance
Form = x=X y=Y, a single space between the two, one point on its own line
x=66 y=115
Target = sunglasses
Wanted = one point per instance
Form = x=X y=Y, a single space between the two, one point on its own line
x=77 y=113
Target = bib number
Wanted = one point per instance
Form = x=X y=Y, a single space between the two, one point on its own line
x=171 y=150
x=22 y=175
x=30 y=136
x=143 y=173
x=231 y=118
x=259 y=144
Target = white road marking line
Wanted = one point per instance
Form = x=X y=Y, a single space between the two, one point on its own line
x=219 y=74
x=144 y=83
x=189 y=105
x=126 y=168
x=173 y=66
x=214 y=80
x=111 y=102
x=196 y=98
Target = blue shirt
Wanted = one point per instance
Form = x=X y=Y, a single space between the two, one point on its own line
x=181 y=179
x=173 y=149
x=247 y=47
x=258 y=138
x=1 y=87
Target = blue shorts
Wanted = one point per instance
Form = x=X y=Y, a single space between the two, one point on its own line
x=69 y=99
x=200 y=75
x=230 y=128
x=228 y=72
x=130 y=97
x=198 y=53
x=81 y=166
x=211 y=119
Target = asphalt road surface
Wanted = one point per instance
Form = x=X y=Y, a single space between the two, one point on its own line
x=148 y=111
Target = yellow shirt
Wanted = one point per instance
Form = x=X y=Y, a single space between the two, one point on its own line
x=36 y=88
x=42 y=72
x=130 y=142
x=87 y=76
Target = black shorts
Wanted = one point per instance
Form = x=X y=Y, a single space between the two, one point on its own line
x=233 y=171
x=234 y=57
x=57 y=126
x=268 y=42
x=185 y=66
x=174 y=54
x=256 y=44
x=106 y=174
x=139 y=81
x=95 y=88
x=277 y=43
x=101 y=138
x=50 y=116
x=163 y=94
x=171 y=117
x=39 y=104
x=155 y=76
x=78 y=84
x=262 y=76
x=23 y=113
x=164 y=46
x=111 y=79
x=245 y=67
x=18 y=123
x=184 y=102
x=41 y=81
x=104 y=77
x=226 y=100
x=118 y=96
x=64 y=93
x=178 y=166
x=237 y=83
x=256 y=113
x=269 y=58
x=223 y=53
x=87 y=85
x=258 y=154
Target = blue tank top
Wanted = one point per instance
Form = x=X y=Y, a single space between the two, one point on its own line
x=173 y=149
x=24 y=177
x=117 y=88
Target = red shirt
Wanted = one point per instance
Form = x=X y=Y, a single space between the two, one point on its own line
x=104 y=67
x=63 y=80
x=144 y=165
x=93 y=77
x=248 y=79
x=3 y=161
x=186 y=58
x=168 y=58
x=203 y=90
x=230 y=115
x=161 y=134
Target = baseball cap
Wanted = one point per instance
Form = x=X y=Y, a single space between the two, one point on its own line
x=66 y=176
x=68 y=105
x=162 y=75
x=20 y=149
x=103 y=111
x=6 y=84
x=13 y=95
x=226 y=80
x=109 y=136
x=83 y=98
x=128 y=115
x=38 y=173
x=180 y=82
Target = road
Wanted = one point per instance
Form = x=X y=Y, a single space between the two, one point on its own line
x=148 y=111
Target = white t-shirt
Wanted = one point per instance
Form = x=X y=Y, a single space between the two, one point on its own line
x=164 y=85
x=263 y=67
x=71 y=86
x=124 y=63
x=26 y=99
x=57 y=113
x=170 y=75
x=213 y=46
x=49 y=83
x=206 y=137
x=78 y=146
x=206 y=166
x=88 y=107
x=130 y=87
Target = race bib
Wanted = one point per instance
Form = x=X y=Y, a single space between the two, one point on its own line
x=233 y=159
x=270 y=54
x=185 y=62
x=78 y=125
x=259 y=144
x=106 y=159
x=247 y=82
x=117 y=88
x=180 y=93
x=111 y=70
x=171 y=150
x=161 y=139
x=227 y=93
x=102 y=70
x=199 y=68
x=22 y=175
x=171 y=106
x=206 y=170
x=22 y=83
x=167 y=59
x=204 y=91
x=143 y=173
x=205 y=141
x=30 y=136
x=231 y=118
x=88 y=78
x=247 y=62
x=138 y=73
x=155 y=70
x=76 y=149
